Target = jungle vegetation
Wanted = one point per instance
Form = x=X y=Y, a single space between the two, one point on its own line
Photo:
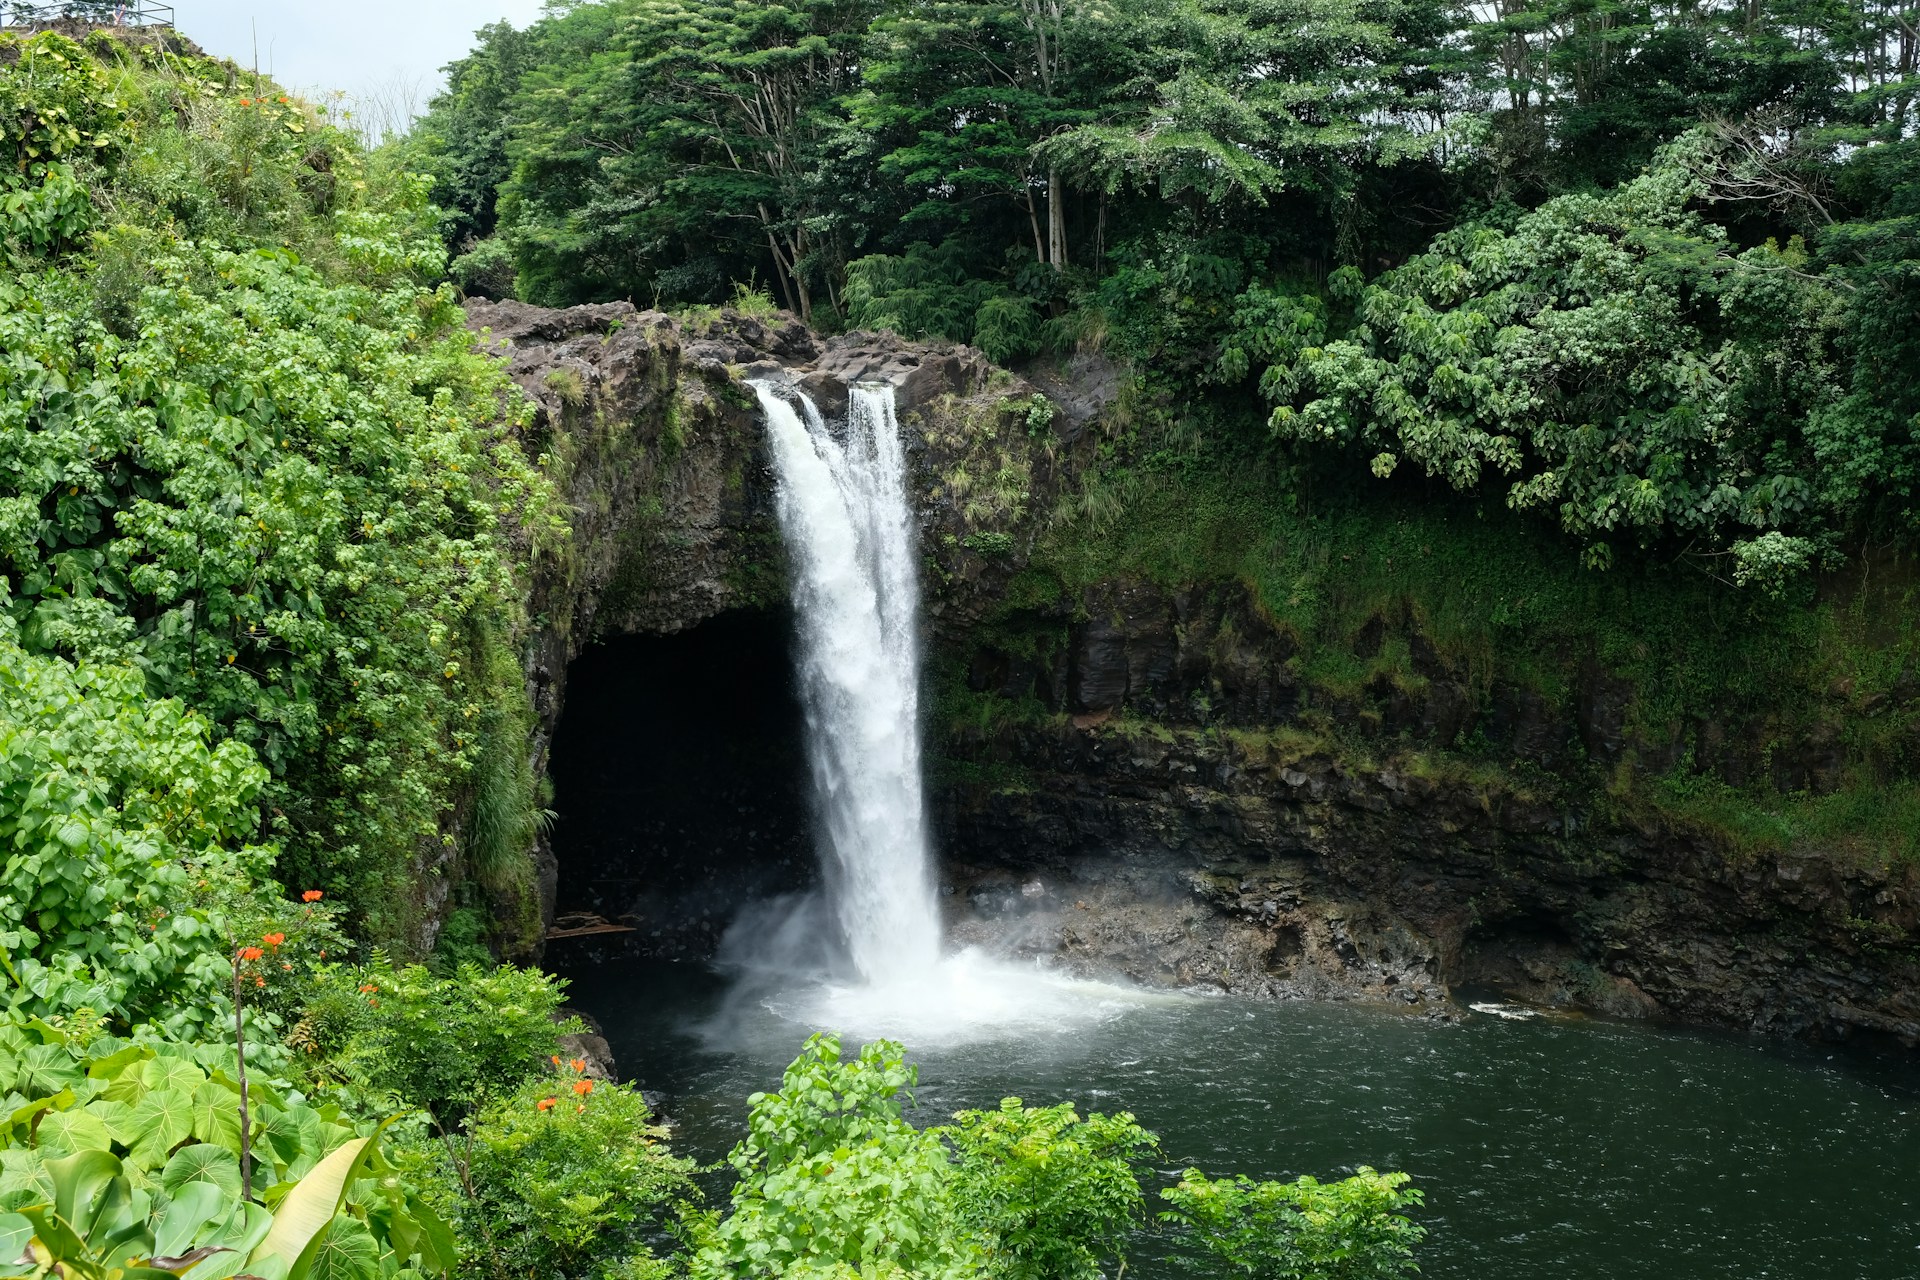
x=1641 y=269
x=266 y=521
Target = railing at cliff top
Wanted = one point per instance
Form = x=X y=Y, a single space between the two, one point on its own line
x=103 y=13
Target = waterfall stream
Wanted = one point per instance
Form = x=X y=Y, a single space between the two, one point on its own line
x=842 y=506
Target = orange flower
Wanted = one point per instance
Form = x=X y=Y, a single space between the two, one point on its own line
x=259 y=982
x=366 y=987
x=545 y=1104
x=273 y=939
x=251 y=953
x=555 y=1059
x=577 y=1064
x=311 y=895
x=287 y=966
x=583 y=1087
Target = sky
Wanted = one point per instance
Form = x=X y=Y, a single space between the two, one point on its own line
x=365 y=48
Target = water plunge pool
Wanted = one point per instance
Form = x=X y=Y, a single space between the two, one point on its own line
x=1546 y=1147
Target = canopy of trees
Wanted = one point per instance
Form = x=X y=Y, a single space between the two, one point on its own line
x=1421 y=226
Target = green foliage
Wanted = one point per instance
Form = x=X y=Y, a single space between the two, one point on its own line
x=126 y=829
x=82 y=1215
x=1354 y=1229
x=241 y=442
x=831 y=1176
x=386 y=1036
x=135 y=1151
x=570 y=1177
x=1617 y=363
x=56 y=102
x=1049 y=1194
x=485 y=270
x=929 y=292
x=168 y=1112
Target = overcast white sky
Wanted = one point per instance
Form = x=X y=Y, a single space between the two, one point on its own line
x=358 y=46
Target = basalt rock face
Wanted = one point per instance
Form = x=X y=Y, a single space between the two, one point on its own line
x=659 y=450
x=1173 y=807
x=1161 y=794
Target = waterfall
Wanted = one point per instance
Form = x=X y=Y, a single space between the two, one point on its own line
x=842 y=506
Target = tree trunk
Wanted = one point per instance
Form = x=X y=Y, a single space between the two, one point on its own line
x=780 y=271
x=1056 y=220
x=1033 y=220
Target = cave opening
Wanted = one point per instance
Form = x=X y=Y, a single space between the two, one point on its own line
x=679 y=788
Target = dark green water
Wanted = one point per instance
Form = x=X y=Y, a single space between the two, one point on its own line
x=1547 y=1149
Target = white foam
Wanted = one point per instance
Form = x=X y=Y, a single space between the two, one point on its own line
x=844 y=514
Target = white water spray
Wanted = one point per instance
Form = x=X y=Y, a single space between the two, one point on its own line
x=842 y=505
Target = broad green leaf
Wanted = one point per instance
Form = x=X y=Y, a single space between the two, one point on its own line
x=216 y=1114
x=202 y=1162
x=15 y=1231
x=311 y=1204
x=243 y=1230
x=22 y=1116
x=343 y=1249
x=24 y=1171
x=183 y=1224
x=293 y=1137
x=120 y=1074
x=54 y=1232
x=120 y=1063
x=73 y=1130
x=169 y=1072
x=46 y=1069
x=112 y=1114
x=83 y=1185
x=161 y=1121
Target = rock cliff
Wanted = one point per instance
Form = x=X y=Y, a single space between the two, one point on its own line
x=1137 y=779
x=1164 y=809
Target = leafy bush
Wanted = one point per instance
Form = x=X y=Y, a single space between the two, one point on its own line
x=570 y=1177
x=126 y=830
x=114 y=1149
x=1615 y=358
x=486 y=269
x=241 y=443
x=832 y=1177
x=1354 y=1229
x=930 y=292
x=1050 y=1195
x=83 y=1215
x=387 y=1036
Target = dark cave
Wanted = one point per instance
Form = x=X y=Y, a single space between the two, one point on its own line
x=680 y=790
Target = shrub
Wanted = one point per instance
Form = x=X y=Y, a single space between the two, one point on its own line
x=570 y=1177
x=832 y=1178
x=387 y=1037
x=1353 y=1229
x=127 y=832
x=1049 y=1194
x=1617 y=363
